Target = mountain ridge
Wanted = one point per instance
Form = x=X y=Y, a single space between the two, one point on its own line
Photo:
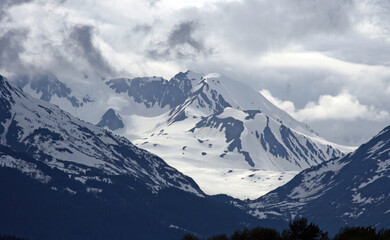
x=59 y=139
x=349 y=190
x=158 y=115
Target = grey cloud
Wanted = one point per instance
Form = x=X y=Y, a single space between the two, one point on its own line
x=8 y=3
x=157 y=54
x=257 y=26
x=181 y=44
x=183 y=34
x=347 y=132
x=5 y=4
x=152 y=3
x=292 y=84
x=352 y=47
x=363 y=38
x=11 y=46
x=81 y=37
x=142 y=28
x=76 y=44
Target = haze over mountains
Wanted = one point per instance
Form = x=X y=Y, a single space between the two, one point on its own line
x=216 y=130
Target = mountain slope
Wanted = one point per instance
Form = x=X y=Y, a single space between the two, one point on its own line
x=352 y=190
x=216 y=130
x=39 y=202
x=60 y=140
x=62 y=178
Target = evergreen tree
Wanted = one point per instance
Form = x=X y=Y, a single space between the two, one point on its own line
x=190 y=237
x=9 y=237
x=384 y=234
x=258 y=233
x=240 y=235
x=219 y=237
x=356 y=233
x=300 y=230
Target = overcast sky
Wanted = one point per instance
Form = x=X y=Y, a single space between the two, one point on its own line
x=327 y=63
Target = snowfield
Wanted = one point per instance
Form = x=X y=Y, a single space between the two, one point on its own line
x=222 y=133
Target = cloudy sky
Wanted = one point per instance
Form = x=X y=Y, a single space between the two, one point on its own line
x=327 y=63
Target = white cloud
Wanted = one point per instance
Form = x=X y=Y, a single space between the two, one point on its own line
x=318 y=60
x=343 y=106
x=287 y=106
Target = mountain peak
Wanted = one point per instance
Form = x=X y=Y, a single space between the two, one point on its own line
x=188 y=75
x=377 y=148
x=384 y=132
x=4 y=82
x=112 y=120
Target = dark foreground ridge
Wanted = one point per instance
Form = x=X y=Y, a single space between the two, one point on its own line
x=300 y=229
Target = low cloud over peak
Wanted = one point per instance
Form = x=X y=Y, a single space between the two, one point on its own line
x=315 y=56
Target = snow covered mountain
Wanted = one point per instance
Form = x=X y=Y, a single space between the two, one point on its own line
x=351 y=190
x=55 y=137
x=47 y=86
x=55 y=168
x=221 y=132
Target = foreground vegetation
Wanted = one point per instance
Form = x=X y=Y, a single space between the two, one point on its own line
x=9 y=237
x=300 y=230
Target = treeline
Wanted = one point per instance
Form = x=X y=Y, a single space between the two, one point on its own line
x=300 y=229
x=9 y=237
